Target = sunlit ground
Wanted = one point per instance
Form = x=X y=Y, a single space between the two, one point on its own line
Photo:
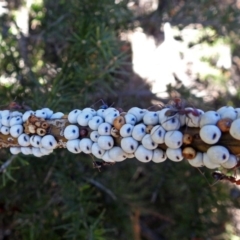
x=157 y=64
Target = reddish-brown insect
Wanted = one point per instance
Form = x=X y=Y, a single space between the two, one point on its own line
x=98 y=164
x=15 y=106
x=220 y=176
x=178 y=106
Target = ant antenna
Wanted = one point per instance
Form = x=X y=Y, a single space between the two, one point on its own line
x=95 y=165
x=103 y=106
x=210 y=185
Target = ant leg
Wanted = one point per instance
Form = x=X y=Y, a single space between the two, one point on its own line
x=210 y=185
x=95 y=165
x=100 y=100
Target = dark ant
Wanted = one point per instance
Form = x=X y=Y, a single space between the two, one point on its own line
x=103 y=106
x=178 y=107
x=15 y=106
x=98 y=164
x=220 y=176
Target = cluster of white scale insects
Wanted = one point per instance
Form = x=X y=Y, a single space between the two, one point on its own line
x=114 y=136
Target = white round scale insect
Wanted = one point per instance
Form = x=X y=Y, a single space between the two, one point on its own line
x=24 y=140
x=73 y=146
x=129 y=144
x=117 y=154
x=16 y=130
x=95 y=122
x=73 y=115
x=86 y=145
x=71 y=132
x=159 y=156
x=148 y=143
x=15 y=150
x=49 y=142
x=105 y=142
x=143 y=155
x=97 y=151
x=173 y=139
x=139 y=131
x=174 y=154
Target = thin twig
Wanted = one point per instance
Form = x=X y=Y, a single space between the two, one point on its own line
x=7 y=163
x=101 y=187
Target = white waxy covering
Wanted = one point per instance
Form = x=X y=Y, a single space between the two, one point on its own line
x=90 y=110
x=218 y=154
x=94 y=135
x=227 y=112
x=5 y=113
x=130 y=118
x=106 y=157
x=15 y=114
x=209 y=118
x=86 y=144
x=231 y=162
x=126 y=130
x=208 y=163
x=97 y=151
x=49 y=142
x=235 y=129
x=6 y=120
x=150 y=118
x=73 y=146
x=26 y=150
x=49 y=112
x=45 y=151
x=109 y=118
x=197 y=161
x=174 y=154
x=5 y=130
x=117 y=154
x=95 y=122
x=137 y=112
x=129 y=144
x=172 y=123
x=36 y=152
x=24 y=140
x=173 y=139
x=238 y=112
x=224 y=109
x=26 y=115
x=163 y=115
x=158 y=134
x=159 y=156
x=73 y=115
x=84 y=117
x=15 y=150
x=193 y=118
x=182 y=119
x=35 y=141
x=139 y=131
x=104 y=128
x=41 y=114
x=109 y=110
x=100 y=112
x=57 y=115
x=148 y=143
x=16 y=130
x=71 y=132
x=105 y=142
x=143 y=155
x=210 y=134
x=16 y=121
